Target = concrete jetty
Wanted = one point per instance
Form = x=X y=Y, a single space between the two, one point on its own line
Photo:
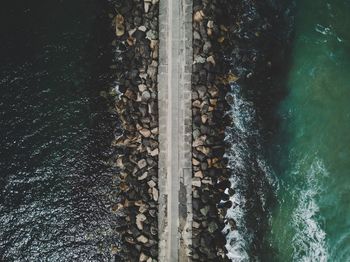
x=175 y=130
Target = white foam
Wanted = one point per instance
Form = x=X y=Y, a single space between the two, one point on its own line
x=309 y=242
x=239 y=240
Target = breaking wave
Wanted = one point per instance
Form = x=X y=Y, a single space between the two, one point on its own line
x=247 y=166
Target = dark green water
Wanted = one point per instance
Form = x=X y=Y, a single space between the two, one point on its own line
x=55 y=131
x=311 y=221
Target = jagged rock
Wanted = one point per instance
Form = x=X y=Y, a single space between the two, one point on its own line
x=212 y=227
x=210 y=24
x=119 y=25
x=210 y=59
x=198 y=174
x=143 y=257
x=142 y=239
x=195 y=224
x=154 y=231
x=196 y=182
x=151 y=183
x=154 y=152
x=146 y=96
x=145 y=132
x=155 y=194
x=142 y=163
x=140 y=218
x=198 y=16
x=204 y=211
x=195 y=162
x=143 y=176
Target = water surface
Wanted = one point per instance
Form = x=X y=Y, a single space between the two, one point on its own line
x=55 y=131
x=311 y=221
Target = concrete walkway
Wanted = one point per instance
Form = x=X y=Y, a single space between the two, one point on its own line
x=175 y=130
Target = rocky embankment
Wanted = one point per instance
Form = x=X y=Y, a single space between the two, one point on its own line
x=234 y=43
x=135 y=100
x=210 y=176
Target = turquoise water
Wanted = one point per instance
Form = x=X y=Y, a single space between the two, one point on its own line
x=311 y=221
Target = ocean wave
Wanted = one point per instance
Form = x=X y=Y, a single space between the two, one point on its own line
x=243 y=138
x=309 y=242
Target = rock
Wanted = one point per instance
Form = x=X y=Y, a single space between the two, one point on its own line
x=204 y=149
x=204 y=119
x=131 y=41
x=143 y=176
x=202 y=90
x=142 y=28
x=140 y=218
x=143 y=257
x=204 y=211
x=154 y=152
x=206 y=48
x=151 y=183
x=145 y=132
x=195 y=162
x=199 y=59
x=142 y=239
x=142 y=163
x=195 y=224
x=196 y=182
x=154 y=231
x=196 y=35
x=146 y=6
x=210 y=59
x=212 y=227
x=119 y=25
x=152 y=35
x=155 y=194
x=146 y=96
x=198 y=174
x=198 y=16
x=152 y=212
x=221 y=39
x=142 y=87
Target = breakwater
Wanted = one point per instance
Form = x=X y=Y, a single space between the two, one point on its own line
x=234 y=98
x=134 y=97
x=174 y=131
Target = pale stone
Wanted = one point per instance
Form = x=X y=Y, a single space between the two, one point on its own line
x=198 y=16
x=142 y=87
x=195 y=162
x=155 y=152
x=142 y=239
x=195 y=224
x=143 y=258
x=151 y=183
x=210 y=59
x=199 y=174
x=145 y=132
x=196 y=182
x=142 y=163
x=155 y=194
x=142 y=28
x=143 y=176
